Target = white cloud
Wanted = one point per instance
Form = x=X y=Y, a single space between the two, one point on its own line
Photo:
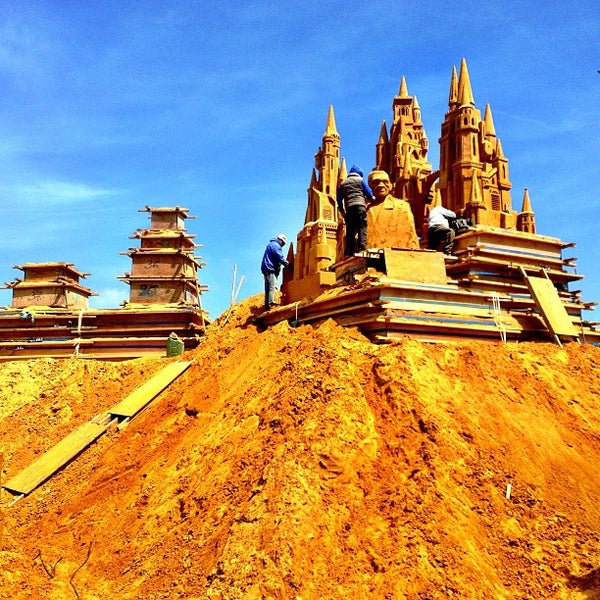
x=54 y=193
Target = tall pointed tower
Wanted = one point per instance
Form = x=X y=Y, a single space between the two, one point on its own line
x=164 y=269
x=403 y=153
x=317 y=242
x=472 y=155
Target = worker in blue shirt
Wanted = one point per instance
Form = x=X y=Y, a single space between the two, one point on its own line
x=272 y=262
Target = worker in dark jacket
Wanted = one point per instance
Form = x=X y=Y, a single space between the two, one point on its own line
x=272 y=262
x=352 y=197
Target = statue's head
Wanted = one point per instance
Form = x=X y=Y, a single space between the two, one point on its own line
x=380 y=184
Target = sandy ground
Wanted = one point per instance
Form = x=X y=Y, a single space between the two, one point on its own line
x=307 y=463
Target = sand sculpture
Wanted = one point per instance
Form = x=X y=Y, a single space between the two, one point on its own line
x=505 y=280
x=391 y=222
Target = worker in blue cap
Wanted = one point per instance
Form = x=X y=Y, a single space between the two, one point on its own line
x=352 y=197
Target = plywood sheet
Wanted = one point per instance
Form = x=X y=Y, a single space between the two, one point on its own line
x=143 y=395
x=55 y=458
x=550 y=306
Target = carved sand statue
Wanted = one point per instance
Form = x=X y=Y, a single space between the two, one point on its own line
x=391 y=222
x=505 y=281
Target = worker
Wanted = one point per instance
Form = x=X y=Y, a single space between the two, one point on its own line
x=352 y=196
x=439 y=232
x=272 y=262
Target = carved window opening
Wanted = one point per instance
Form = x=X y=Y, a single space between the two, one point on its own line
x=495 y=201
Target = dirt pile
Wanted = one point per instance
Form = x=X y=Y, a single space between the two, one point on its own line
x=307 y=463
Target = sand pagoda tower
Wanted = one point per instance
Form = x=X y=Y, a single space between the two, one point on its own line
x=50 y=284
x=474 y=175
x=164 y=269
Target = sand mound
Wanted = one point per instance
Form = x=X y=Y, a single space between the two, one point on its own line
x=307 y=463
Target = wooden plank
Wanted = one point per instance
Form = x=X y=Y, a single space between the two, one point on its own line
x=68 y=448
x=55 y=458
x=479 y=262
x=550 y=306
x=143 y=395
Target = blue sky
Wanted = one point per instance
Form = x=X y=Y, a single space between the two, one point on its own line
x=107 y=107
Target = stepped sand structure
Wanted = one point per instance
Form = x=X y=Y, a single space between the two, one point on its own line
x=505 y=281
x=50 y=315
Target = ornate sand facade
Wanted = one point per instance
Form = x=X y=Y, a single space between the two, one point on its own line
x=472 y=180
x=319 y=243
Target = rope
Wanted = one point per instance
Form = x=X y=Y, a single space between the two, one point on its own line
x=497 y=312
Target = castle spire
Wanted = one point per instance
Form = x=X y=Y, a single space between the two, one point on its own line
x=381 y=150
x=526 y=208
x=526 y=218
x=489 y=122
x=453 y=95
x=416 y=111
x=329 y=155
x=383 y=133
x=499 y=150
x=330 y=128
x=403 y=93
x=343 y=173
x=465 y=94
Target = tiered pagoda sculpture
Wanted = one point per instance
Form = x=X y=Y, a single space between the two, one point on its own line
x=50 y=315
x=164 y=268
x=53 y=284
x=505 y=280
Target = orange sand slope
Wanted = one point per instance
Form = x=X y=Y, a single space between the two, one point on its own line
x=308 y=463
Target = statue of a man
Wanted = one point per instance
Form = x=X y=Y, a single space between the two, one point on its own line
x=391 y=222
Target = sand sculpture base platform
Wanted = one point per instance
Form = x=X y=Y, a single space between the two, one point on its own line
x=106 y=334
x=500 y=286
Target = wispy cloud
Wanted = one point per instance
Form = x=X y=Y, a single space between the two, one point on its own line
x=54 y=193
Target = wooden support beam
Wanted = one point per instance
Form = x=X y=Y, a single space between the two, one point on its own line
x=142 y=396
x=68 y=448
x=548 y=302
x=57 y=457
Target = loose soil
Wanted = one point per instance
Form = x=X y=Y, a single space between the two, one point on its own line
x=308 y=463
